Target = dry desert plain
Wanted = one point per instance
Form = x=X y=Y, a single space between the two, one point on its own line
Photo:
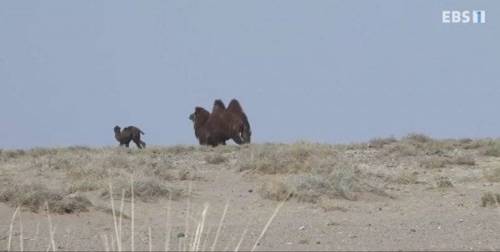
x=412 y=193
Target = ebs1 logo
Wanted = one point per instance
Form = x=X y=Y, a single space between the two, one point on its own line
x=464 y=17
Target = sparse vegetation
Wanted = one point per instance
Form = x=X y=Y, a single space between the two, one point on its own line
x=304 y=171
x=148 y=189
x=329 y=177
x=308 y=173
x=490 y=199
x=492 y=149
x=275 y=190
x=444 y=182
x=407 y=178
x=35 y=196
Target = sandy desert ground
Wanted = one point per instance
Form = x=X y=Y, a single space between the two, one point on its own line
x=413 y=193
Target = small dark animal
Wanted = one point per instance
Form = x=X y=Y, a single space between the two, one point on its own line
x=222 y=124
x=130 y=133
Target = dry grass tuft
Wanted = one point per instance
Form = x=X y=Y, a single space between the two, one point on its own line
x=444 y=182
x=282 y=159
x=407 y=178
x=341 y=181
x=308 y=172
x=146 y=189
x=490 y=199
x=275 y=190
x=34 y=197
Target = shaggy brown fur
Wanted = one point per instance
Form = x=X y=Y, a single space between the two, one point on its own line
x=222 y=124
x=199 y=118
x=130 y=133
x=238 y=121
x=209 y=127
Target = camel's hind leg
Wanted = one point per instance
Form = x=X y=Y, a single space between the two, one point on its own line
x=138 y=143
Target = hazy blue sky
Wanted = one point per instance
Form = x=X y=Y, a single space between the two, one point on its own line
x=322 y=70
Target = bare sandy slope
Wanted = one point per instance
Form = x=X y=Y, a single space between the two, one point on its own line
x=411 y=209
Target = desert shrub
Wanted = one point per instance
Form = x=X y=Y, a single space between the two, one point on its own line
x=490 y=199
x=311 y=188
x=279 y=159
x=443 y=182
x=35 y=196
x=342 y=182
x=145 y=189
x=407 y=178
x=275 y=190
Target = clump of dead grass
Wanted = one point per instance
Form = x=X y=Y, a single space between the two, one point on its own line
x=282 y=159
x=342 y=180
x=34 y=197
x=145 y=189
x=407 y=178
x=490 y=199
x=275 y=190
x=443 y=182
